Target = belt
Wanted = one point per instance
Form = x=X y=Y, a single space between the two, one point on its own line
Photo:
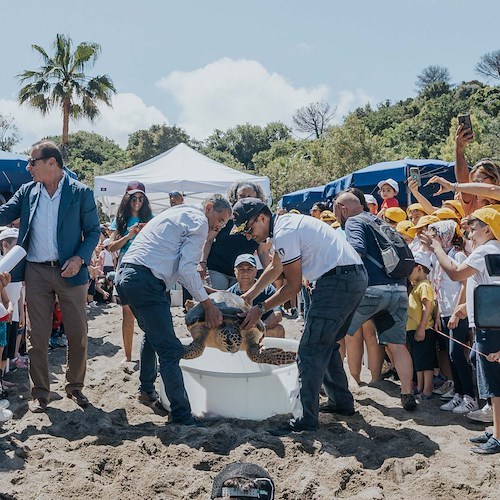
x=134 y=266
x=50 y=263
x=357 y=268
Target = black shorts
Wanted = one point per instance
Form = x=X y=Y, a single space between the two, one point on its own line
x=423 y=353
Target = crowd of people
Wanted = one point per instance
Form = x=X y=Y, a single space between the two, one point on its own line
x=412 y=313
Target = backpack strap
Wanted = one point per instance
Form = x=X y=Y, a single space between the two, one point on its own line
x=367 y=220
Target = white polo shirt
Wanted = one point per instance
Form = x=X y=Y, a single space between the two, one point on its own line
x=315 y=242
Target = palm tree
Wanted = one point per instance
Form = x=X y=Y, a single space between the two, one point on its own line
x=61 y=82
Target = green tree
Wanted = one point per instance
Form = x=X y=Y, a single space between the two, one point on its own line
x=61 y=82
x=9 y=133
x=146 y=144
x=432 y=74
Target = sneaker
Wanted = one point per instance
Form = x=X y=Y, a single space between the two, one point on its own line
x=448 y=395
x=20 y=363
x=408 y=402
x=466 y=406
x=4 y=404
x=452 y=403
x=423 y=397
x=489 y=448
x=53 y=343
x=5 y=415
x=147 y=398
x=485 y=414
x=439 y=380
x=482 y=438
x=446 y=387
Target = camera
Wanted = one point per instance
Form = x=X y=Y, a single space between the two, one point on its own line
x=487 y=298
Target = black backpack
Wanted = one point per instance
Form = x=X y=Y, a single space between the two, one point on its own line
x=397 y=258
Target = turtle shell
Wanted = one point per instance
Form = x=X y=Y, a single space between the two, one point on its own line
x=229 y=304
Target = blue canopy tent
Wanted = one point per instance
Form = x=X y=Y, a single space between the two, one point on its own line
x=367 y=178
x=303 y=199
x=12 y=172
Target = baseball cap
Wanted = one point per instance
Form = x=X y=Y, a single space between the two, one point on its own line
x=456 y=205
x=415 y=206
x=403 y=226
x=264 y=484
x=175 y=193
x=245 y=257
x=244 y=210
x=294 y=211
x=327 y=216
x=136 y=187
x=423 y=222
x=424 y=259
x=371 y=200
x=488 y=215
x=395 y=214
x=391 y=182
x=445 y=213
x=10 y=232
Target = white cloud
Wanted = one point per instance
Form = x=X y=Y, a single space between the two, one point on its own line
x=128 y=114
x=228 y=92
x=349 y=100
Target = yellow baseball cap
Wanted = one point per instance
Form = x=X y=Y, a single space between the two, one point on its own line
x=456 y=205
x=294 y=211
x=445 y=213
x=327 y=216
x=490 y=216
x=335 y=224
x=403 y=226
x=415 y=206
x=395 y=214
x=423 y=222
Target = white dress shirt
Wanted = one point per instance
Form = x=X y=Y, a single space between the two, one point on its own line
x=43 y=231
x=171 y=245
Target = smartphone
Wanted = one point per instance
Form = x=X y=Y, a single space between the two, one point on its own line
x=465 y=121
x=415 y=175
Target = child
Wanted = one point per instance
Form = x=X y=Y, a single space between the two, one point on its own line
x=106 y=258
x=388 y=191
x=484 y=225
x=393 y=216
x=5 y=313
x=421 y=338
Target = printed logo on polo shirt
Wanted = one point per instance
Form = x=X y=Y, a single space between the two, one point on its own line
x=281 y=251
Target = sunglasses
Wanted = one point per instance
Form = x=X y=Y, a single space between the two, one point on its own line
x=32 y=161
x=137 y=198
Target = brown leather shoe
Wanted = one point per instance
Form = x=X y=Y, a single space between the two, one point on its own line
x=79 y=398
x=38 y=405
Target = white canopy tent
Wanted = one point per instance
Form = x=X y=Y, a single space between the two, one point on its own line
x=178 y=169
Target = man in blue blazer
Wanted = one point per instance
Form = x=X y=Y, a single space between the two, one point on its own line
x=59 y=230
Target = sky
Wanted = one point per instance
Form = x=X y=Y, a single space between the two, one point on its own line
x=212 y=64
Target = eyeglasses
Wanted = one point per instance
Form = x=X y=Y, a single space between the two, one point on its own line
x=249 y=227
x=137 y=198
x=32 y=161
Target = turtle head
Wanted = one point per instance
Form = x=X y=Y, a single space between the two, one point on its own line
x=232 y=337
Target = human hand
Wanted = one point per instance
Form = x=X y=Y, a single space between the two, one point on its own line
x=429 y=242
x=463 y=137
x=213 y=317
x=251 y=318
x=453 y=321
x=4 y=280
x=202 y=269
x=494 y=357
x=444 y=185
x=133 y=230
x=71 y=267
x=419 y=334
x=412 y=184
x=105 y=295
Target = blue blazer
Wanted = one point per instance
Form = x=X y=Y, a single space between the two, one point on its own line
x=77 y=223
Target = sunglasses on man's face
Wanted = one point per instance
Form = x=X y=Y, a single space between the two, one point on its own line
x=32 y=161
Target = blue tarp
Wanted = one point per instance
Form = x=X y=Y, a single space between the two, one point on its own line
x=303 y=199
x=13 y=171
x=367 y=178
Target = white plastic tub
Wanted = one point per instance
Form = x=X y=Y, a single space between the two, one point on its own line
x=232 y=386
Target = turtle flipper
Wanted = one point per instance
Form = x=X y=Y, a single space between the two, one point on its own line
x=271 y=356
x=197 y=346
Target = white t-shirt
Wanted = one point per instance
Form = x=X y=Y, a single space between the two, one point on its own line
x=447 y=291
x=316 y=243
x=476 y=261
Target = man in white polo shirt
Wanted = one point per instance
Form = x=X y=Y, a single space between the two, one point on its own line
x=306 y=247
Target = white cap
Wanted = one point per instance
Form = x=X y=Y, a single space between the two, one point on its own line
x=391 y=182
x=371 y=200
x=10 y=232
x=424 y=259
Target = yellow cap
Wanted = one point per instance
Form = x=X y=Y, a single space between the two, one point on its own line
x=423 y=222
x=403 y=226
x=415 y=206
x=446 y=214
x=395 y=214
x=335 y=224
x=294 y=211
x=490 y=216
x=456 y=205
x=327 y=216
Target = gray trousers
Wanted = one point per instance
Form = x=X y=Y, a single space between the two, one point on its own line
x=333 y=303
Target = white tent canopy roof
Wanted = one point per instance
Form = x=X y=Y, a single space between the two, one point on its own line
x=178 y=169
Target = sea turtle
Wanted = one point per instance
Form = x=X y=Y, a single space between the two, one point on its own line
x=228 y=337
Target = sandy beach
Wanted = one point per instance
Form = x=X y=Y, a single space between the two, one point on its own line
x=119 y=449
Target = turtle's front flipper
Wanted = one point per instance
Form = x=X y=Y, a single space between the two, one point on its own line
x=271 y=356
x=197 y=346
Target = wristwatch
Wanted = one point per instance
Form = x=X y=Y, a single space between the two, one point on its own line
x=261 y=307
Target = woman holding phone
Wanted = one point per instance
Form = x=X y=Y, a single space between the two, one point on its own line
x=133 y=214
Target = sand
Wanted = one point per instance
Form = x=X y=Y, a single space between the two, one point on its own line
x=120 y=449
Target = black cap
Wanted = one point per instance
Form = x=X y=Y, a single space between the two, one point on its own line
x=244 y=210
x=253 y=472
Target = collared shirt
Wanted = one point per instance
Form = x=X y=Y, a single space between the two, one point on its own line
x=171 y=245
x=43 y=232
x=316 y=243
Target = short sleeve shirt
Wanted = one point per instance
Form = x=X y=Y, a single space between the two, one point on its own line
x=316 y=243
x=131 y=222
x=389 y=203
x=422 y=290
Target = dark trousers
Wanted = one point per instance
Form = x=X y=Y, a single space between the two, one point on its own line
x=333 y=303
x=150 y=302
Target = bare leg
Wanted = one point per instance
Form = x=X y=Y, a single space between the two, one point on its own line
x=354 y=348
x=375 y=350
x=128 y=331
x=428 y=382
x=495 y=403
x=402 y=362
x=342 y=348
